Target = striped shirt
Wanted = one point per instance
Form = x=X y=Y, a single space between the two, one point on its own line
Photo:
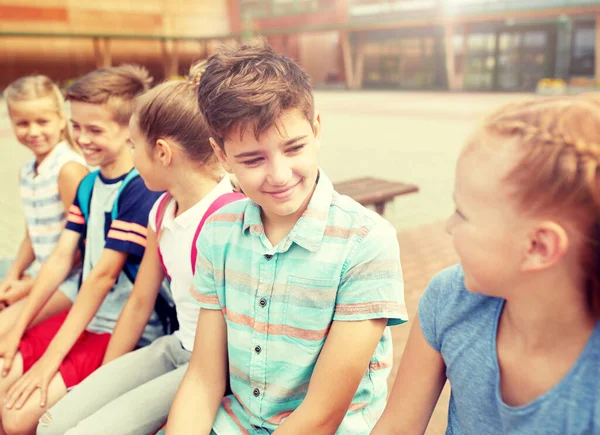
x=44 y=211
x=340 y=262
x=127 y=234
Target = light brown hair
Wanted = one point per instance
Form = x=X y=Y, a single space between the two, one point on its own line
x=117 y=87
x=170 y=110
x=249 y=87
x=35 y=87
x=558 y=168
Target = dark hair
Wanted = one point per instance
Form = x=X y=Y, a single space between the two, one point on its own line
x=170 y=110
x=117 y=87
x=250 y=86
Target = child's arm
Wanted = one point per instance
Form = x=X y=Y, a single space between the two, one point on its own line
x=53 y=272
x=200 y=393
x=11 y=284
x=140 y=304
x=15 y=291
x=69 y=177
x=419 y=382
x=339 y=370
x=126 y=236
x=369 y=297
x=203 y=386
x=98 y=283
x=25 y=256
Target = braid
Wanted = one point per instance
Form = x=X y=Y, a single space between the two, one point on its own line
x=559 y=167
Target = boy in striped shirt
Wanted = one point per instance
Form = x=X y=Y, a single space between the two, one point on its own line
x=41 y=363
x=297 y=284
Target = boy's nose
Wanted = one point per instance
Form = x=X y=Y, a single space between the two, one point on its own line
x=279 y=175
x=81 y=138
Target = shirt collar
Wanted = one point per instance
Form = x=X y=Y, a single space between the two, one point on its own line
x=48 y=162
x=309 y=230
x=193 y=214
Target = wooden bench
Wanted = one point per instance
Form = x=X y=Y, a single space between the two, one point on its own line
x=374 y=191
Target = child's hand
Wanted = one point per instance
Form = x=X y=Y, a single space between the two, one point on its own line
x=5 y=286
x=9 y=345
x=14 y=290
x=39 y=376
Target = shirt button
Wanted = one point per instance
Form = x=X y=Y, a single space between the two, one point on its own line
x=256 y=392
x=263 y=302
x=268 y=256
x=257 y=349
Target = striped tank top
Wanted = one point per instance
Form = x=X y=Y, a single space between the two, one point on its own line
x=44 y=210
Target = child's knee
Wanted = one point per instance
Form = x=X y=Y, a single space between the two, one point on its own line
x=49 y=425
x=45 y=424
x=21 y=421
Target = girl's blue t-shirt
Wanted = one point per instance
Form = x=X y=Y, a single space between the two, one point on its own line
x=462 y=327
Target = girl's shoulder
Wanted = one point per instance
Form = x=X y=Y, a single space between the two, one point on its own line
x=447 y=304
x=64 y=154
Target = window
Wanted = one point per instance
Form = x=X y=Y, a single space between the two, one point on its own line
x=583 y=55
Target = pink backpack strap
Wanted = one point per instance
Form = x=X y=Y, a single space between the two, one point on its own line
x=160 y=214
x=221 y=201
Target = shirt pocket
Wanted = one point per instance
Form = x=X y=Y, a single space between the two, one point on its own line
x=308 y=310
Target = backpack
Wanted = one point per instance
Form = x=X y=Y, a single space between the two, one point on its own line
x=218 y=203
x=164 y=305
x=221 y=201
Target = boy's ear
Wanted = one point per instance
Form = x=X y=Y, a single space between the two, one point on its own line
x=163 y=152
x=546 y=246
x=317 y=129
x=221 y=156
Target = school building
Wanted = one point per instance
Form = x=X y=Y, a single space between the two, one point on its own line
x=479 y=45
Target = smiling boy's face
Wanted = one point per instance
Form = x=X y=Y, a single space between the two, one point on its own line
x=101 y=138
x=278 y=170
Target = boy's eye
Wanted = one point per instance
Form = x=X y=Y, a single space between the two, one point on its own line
x=96 y=130
x=295 y=149
x=253 y=161
x=21 y=124
x=75 y=127
x=42 y=121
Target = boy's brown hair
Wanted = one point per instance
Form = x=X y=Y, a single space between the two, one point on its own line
x=117 y=87
x=249 y=87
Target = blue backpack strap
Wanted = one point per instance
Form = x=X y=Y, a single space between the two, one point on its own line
x=128 y=178
x=131 y=270
x=84 y=193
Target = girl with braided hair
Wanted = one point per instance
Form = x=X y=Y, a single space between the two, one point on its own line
x=514 y=328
